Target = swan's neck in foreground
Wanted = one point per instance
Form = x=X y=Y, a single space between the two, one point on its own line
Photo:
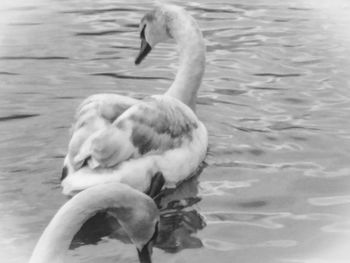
x=134 y=206
x=186 y=33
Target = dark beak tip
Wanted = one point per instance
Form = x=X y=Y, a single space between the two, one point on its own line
x=144 y=50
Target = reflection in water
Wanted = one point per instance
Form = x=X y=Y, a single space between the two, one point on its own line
x=179 y=220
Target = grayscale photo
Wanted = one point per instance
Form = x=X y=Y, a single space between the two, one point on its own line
x=174 y=131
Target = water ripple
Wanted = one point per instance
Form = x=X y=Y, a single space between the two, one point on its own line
x=8 y=73
x=278 y=75
x=264 y=220
x=120 y=76
x=33 y=58
x=18 y=116
x=330 y=201
x=101 y=33
x=102 y=10
x=218 y=188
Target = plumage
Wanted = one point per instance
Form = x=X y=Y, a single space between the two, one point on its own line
x=121 y=139
x=169 y=139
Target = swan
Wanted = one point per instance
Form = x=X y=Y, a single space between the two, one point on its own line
x=135 y=211
x=150 y=144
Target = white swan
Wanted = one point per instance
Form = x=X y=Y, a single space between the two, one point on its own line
x=150 y=144
x=135 y=211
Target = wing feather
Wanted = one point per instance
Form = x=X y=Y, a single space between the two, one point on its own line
x=160 y=125
x=95 y=114
x=150 y=127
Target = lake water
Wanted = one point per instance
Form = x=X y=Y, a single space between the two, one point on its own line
x=275 y=99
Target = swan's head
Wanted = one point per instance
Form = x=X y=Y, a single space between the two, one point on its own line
x=154 y=28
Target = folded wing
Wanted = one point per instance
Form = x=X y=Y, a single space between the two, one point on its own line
x=96 y=113
x=150 y=127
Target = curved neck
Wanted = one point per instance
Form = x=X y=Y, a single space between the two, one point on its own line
x=133 y=209
x=186 y=33
x=55 y=241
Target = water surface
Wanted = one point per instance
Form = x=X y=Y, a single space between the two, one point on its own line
x=275 y=99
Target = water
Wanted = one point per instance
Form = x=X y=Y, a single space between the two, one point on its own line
x=275 y=99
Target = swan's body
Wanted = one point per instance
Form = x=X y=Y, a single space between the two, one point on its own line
x=135 y=211
x=125 y=140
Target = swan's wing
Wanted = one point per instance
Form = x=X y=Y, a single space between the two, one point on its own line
x=151 y=127
x=96 y=113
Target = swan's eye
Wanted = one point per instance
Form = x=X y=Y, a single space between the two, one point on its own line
x=142 y=34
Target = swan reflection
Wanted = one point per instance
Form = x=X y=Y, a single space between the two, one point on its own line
x=179 y=221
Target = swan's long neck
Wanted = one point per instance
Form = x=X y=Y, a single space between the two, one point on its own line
x=139 y=210
x=56 y=239
x=186 y=33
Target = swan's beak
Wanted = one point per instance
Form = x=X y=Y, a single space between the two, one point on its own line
x=145 y=253
x=144 y=50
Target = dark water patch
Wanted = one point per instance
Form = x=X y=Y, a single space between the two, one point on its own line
x=294 y=100
x=100 y=33
x=299 y=8
x=256 y=152
x=299 y=138
x=106 y=58
x=18 y=170
x=131 y=25
x=272 y=138
x=105 y=53
x=101 y=11
x=292 y=45
x=228 y=102
x=8 y=73
x=58 y=156
x=251 y=43
x=18 y=116
x=65 y=97
x=281 y=20
x=32 y=58
x=278 y=75
x=215 y=10
x=108 y=20
x=119 y=76
x=29 y=92
x=230 y=92
x=24 y=24
x=246 y=129
x=252 y=204
x=125 y=47
x=62 y=127
x=249 y=119
x=263 y=88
